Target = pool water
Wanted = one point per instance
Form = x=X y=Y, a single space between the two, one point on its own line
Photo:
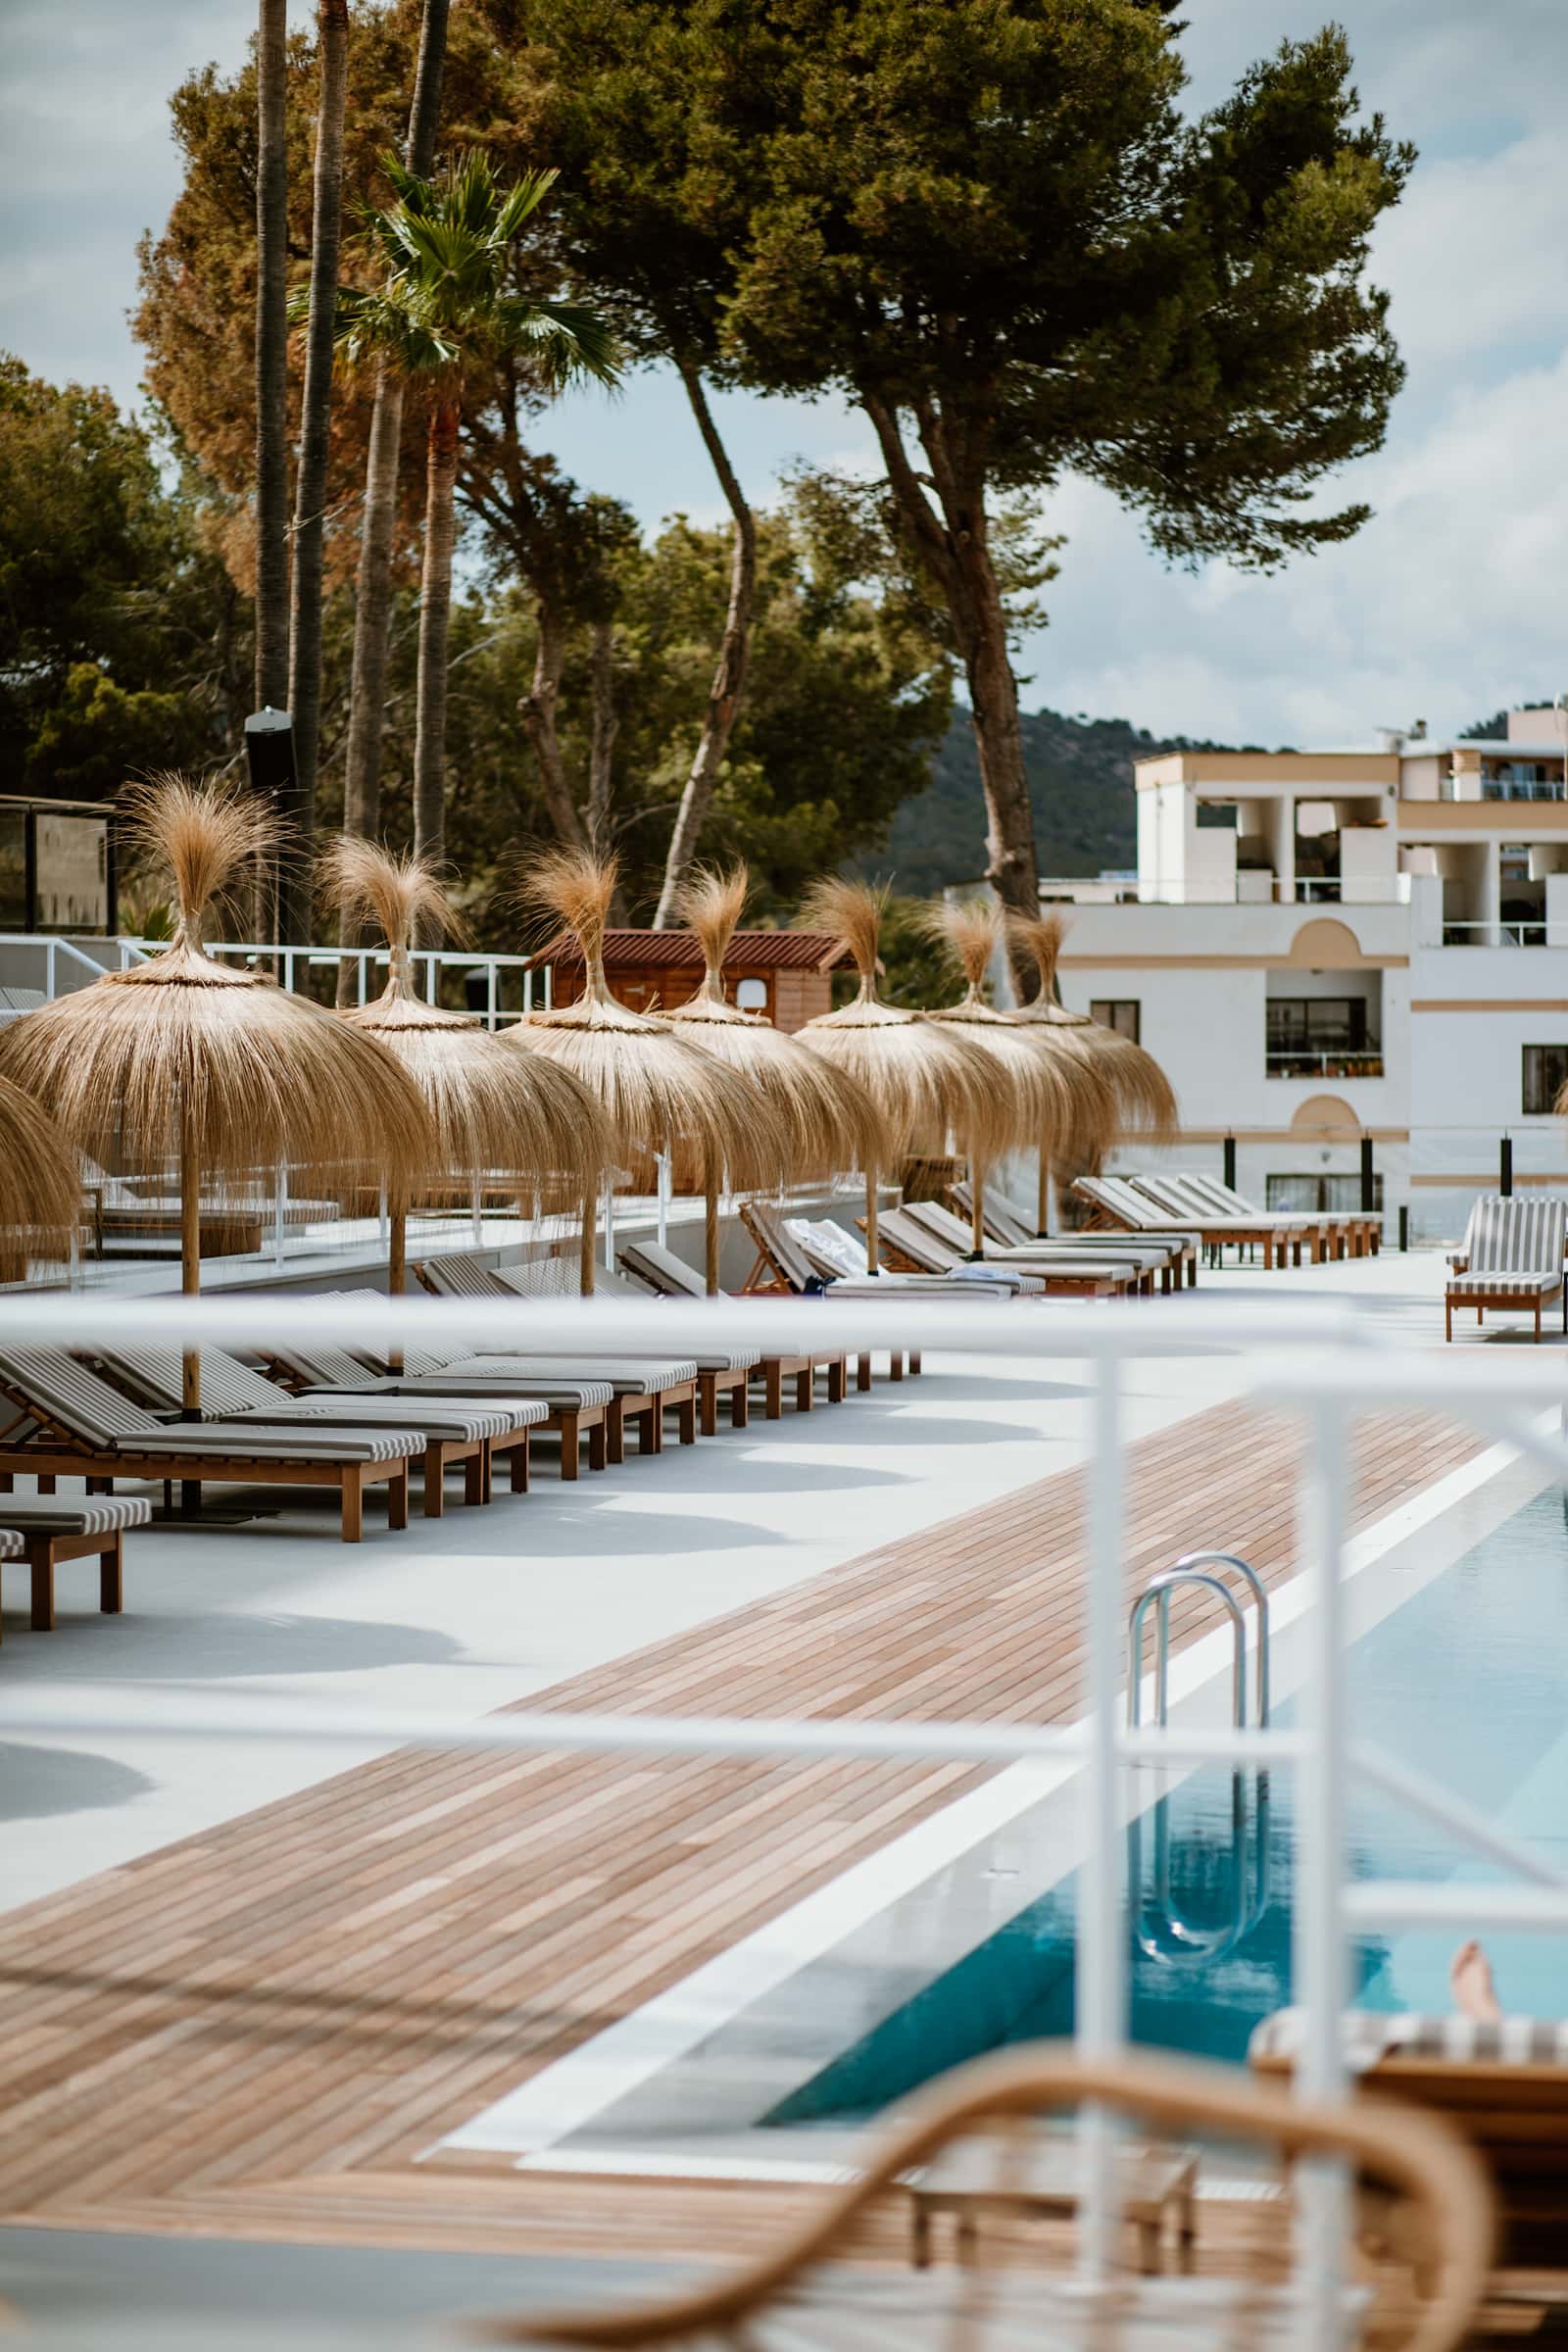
x=1467 y=1679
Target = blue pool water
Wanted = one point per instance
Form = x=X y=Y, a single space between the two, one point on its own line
x=1467 y=1679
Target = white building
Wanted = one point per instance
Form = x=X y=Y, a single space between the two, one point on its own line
x=1331 y=949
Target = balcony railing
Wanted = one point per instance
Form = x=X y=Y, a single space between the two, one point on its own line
x=1531 y=934
x=1297 y=1063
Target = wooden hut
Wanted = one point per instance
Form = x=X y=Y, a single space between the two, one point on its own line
x=785 y=975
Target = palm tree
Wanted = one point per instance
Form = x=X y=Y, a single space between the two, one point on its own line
x=271 y=357
x=449 y=306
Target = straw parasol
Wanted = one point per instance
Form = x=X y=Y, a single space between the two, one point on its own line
x=490 y=1109
x=222 y=1072
x=40 y=1186
x=1063 y=1104
x=831 y=1120
x=1144 y=1100
x=926 y=1078
x=657 y=1089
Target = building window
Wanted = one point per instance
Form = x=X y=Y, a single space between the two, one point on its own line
x=1321 y=1196
x=751 y=994
x=1546 y=1069
x=1317 y=1037
x=1121 y=1014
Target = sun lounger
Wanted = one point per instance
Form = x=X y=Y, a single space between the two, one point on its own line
x=47 y=1529
x=1355 y=1230
x=1003 y=1225
x=87 y=1429
x=806 y=2284
x=1287 y=1235
x=910 y=1244
x=721 y=1372
x=574 y=1409
x=644 y=1388
x=456 y=1434
x=1504 y=2086
x=1511 y=1256
x=1137 y=1211
x=660 y=1271
x=1144 y=1261
x=784 y=1266
x=1330 y=1234
x=838 y=1258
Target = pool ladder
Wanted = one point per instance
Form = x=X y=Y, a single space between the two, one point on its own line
x=1171 y=1936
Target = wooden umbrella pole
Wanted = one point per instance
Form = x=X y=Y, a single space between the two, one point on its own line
x=585 y=1259
x=711 y=1231
x=977 y=1207
x=872 y=1252
x=190 y=1248
x=397 y=1265
x=1043 y=1199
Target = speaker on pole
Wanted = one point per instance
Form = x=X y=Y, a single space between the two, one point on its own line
x=269 y=757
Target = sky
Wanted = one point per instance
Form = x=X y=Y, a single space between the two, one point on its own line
x=1445 y=607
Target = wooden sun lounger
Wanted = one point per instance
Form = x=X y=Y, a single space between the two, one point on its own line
x=907 y=1242
x=456 y=1434
x=642 y=1388
x=1287 y=1234
x=575 y=1409
x=1136 y=1211
x=1003 y=1224
x=783 y=1268
x=85 y=1429
x=723 y=1375
x=1142 y=1260
x=1357 y=1231
x=45 y=1531
x=1511 y=1258
x=670 y=1277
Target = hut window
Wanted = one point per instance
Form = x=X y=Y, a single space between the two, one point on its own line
x=752 y=996
x=1121 y=1014
x=1545 y=1069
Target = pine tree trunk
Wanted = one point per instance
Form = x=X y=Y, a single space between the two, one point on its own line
x=436 y=617
x=729 y=676
x=271 y=357
x=315 y=408
x=948 y=536
x=602 y=670
x=373 y=608
x=538 y=708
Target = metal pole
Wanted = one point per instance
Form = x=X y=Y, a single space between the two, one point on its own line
x=610 y=1224
x=1099 y=1968
x=1505 y=1166
x=1319 y=1932
x=661 y=1161
x=279 y=1197
x=476 y=1214
x=1230 y=1164
x=1368 y=1183
x=492 y=1004
x=1405 y=1225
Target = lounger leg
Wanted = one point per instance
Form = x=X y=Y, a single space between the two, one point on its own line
x=111 y=1576
x=740 y=1396
x=397 y=1498
x=708 y=1390
x=46 y=1483
x=650 y=1426
x=475 y=1478
x=686 y=1420
x=353 y=1503
x=598 y=1445
x=1447 y=1318
x=806 y=1390
x=41 y=1561
x=571 y=1444
x=615 y=1430
x=517 y=1456
x=95 y=1485
x=1538 y=1318
x=838 y=1381
x=863 y=1371
x=435 y=1478
x=773 y=1390
x=7 y=1483
x=914 y=1362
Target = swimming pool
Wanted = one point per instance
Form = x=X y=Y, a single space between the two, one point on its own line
x=1466 y=1680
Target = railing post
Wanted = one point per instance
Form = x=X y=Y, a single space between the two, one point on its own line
x=49 y=969
x=1368 y=1183
x=1230 y=1164
x=1100 y=1962
x=1318 y=1955
x=1505 y=1166
x=1404 y=1227
x=493 y=999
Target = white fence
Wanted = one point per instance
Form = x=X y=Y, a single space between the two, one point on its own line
x=1316 y=1363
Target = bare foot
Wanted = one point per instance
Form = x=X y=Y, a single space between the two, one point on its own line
x=1470 y=1981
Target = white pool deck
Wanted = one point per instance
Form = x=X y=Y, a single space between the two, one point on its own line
x=485 y=1607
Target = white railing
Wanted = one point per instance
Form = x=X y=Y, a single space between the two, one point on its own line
x=294 y=964
x=1315 y=1362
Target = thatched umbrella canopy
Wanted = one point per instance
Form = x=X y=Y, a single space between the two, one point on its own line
x=40 y=1185
x=926 y=1078
x=1144 y=1100
x=658 y=1089
x=221 y=1072
x=1061 y=1103
x=519 y=1113
x=831 y=1120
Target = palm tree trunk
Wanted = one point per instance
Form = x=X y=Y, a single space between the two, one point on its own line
x=729 y=675
x=601 y=743
x=271 y=357
x=435 y=616
x=372 y=609
x=310 y=493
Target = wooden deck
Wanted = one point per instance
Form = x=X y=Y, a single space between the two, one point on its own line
x=256 y=2031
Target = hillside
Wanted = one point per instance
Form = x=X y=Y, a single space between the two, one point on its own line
x=1081 y=777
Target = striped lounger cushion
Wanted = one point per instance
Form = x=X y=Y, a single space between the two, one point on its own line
x=1368 y=2038
x=59 y=1515
x=1501 y=1286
